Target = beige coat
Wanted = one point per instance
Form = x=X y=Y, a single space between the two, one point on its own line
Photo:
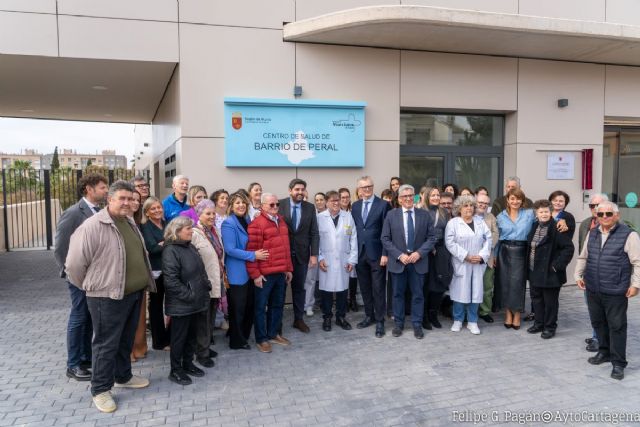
x=96 y=261
x=210 y=259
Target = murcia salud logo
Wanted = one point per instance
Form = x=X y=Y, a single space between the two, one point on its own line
x=236 y=120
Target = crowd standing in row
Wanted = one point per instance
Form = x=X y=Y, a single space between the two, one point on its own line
x=199 y=256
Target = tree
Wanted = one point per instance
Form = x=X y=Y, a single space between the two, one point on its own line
x=89 y=163
x=55 y=161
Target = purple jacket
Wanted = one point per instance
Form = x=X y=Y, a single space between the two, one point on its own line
x=191 y=213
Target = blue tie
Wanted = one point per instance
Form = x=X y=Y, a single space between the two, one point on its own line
x=365 y=213
x=294 y=217
x=410 y=232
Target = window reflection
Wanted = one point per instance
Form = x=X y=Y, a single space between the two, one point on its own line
x=451 y=129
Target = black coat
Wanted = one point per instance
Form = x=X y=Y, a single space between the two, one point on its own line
x=185 y=280
x=304 y=241
x=553 y=255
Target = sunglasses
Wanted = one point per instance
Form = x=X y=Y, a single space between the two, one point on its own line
x=273 y=205
x=603 y=214
x=593 y=205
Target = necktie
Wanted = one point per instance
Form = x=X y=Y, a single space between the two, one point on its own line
x=96 y=209
x=294 y=217
x=365 y=213
x=410 y=232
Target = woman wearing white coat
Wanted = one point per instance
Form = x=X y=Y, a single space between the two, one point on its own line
x=338 y=256
x=469 y=240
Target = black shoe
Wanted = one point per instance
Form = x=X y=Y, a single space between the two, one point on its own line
x=79 y=374
x=241 y=347
x=179 y=377
x=379 y=329
x=206 y=362
x=588 y=340
x=193 y=370
x=529 y=317
x=213 y=353
x=397 y=331
x=487 y=318
x=433 y=318
x=418 y=332
x=353 y=306
x=617 y=373
x=86 y=365
x=427 y=325
x=593 y=346
x=366 y=322
x=535 y=329
x=545 y=335
x=326 y=324
x=599 y=359
x=342 y=322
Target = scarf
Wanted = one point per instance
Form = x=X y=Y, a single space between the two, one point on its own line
x=538 y=236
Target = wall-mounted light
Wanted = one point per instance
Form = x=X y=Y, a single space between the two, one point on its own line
x=563 y=102
x=297 y=91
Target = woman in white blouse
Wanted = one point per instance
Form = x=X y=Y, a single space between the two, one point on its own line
x=468 y=239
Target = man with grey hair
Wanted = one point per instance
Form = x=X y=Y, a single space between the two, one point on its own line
x=176 y=202
x=107 y=259
x=500 y=203
x=585 y=226
x=608 y=268
x=141 y=186
x=408 y=236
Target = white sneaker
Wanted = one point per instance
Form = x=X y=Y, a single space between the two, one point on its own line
x=309 y=312
x=473 y=327
x=457 y=325
x=134 y=382
x=104 y=402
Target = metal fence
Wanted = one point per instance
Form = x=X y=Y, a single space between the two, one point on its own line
x=34 y=199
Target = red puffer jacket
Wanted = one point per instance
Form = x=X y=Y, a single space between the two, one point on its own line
x=264 y=234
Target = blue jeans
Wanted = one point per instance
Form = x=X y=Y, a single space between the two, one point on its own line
x=471 y=309
x=415 y=281
x=79 y=329
x=269 y=303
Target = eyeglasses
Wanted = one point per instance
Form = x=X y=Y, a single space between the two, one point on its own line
x=142 y=185
x=593 y=205
x=482 y=203
x=603 y=214
x=406 y=196
x=366 y=187
x=273 y=205
x=333 y=201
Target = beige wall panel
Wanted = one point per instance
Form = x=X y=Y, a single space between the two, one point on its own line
x=382 y=160
x=259 y=65
x=622 y=91
x=501 y=6
x=587 y=10
x=202 y=159
x=241 y=13
x=441 y=80
x=118 y=39
x=541 y=84
x=166 y=124
x=28 y=34
x=623 y=11
x=39 y=6
x=155 y=10
x=354 y=74
x=312 y=8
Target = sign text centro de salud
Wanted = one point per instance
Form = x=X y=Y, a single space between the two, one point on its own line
x=293 y=133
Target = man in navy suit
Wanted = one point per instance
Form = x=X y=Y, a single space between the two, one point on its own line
x=304 y=240
x=408 y=237
x=368 y=214
x=93 y=189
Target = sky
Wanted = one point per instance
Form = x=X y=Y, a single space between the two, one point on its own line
x=85 y=137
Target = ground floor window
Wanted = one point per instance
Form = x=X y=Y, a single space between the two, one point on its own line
x=621 y=170
x=466 y=150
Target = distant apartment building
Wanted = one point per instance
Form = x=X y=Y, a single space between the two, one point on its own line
x=68 y=159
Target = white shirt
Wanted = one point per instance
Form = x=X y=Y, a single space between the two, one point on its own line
x=404 y=222
x=91 y=205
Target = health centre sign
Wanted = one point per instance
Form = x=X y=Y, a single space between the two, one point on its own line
x=293 y=133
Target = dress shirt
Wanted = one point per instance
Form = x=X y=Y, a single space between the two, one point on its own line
x=91 y=205
x=298 y=213
x=518 y=230
x=364 y=203
x=404 y=223
x=631 y=247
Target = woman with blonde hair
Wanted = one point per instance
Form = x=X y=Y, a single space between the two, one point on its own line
x=195 y=194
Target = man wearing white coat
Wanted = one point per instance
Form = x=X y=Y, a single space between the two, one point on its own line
x=338 y=255
x=468 y=239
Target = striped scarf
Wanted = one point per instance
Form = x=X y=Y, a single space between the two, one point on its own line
x=538 y=236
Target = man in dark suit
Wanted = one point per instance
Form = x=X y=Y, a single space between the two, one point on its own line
x=93 y=189
x=368 y=214
x=408 y=237
x=304 y=240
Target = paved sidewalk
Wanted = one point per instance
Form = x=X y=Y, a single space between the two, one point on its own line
x=325 y=379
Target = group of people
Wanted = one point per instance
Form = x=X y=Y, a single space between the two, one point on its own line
x=403 y=250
